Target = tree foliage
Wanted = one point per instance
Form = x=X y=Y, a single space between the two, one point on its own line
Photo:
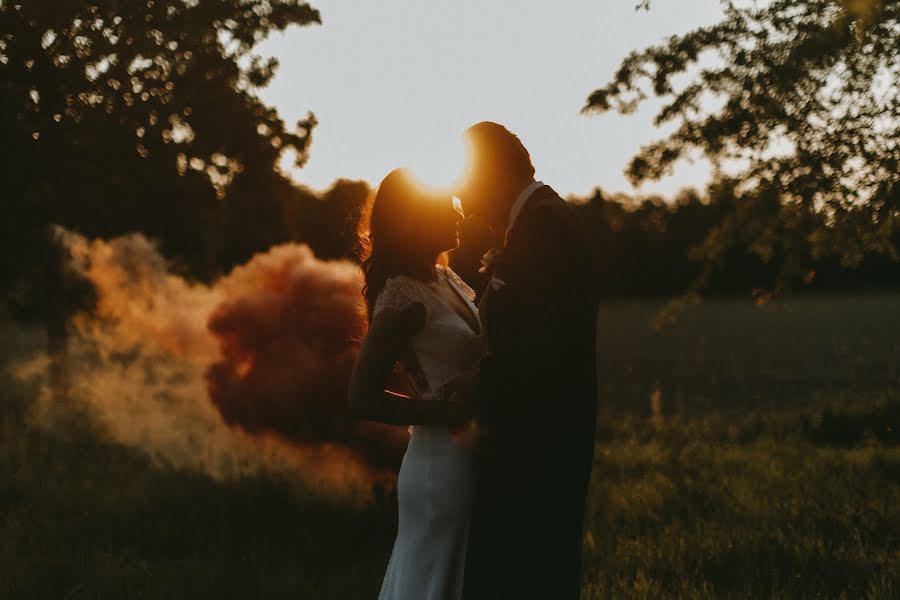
x=795 y=104
x=123 y=115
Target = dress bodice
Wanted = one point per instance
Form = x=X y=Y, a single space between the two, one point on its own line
x=446 y=346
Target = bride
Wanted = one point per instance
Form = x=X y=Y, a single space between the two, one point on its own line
x=421 y=316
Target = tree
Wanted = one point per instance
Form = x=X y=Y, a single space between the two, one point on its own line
x=124 y=115
x=119 y=116
x=799 y=99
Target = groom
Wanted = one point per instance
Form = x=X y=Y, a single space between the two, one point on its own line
x=537 y=380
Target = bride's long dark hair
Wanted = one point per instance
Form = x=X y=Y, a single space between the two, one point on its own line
x=387 y=246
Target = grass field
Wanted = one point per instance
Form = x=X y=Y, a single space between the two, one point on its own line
x=745 y=452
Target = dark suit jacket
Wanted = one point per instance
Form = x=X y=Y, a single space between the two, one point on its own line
x=534 y=463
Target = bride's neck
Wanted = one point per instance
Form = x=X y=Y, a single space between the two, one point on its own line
x=425 y=269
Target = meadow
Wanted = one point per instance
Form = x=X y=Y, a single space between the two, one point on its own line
x=745 y=451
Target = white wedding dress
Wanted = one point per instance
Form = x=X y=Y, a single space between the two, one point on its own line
x=435 y=483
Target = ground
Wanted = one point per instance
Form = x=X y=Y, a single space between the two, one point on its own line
x=744 y=452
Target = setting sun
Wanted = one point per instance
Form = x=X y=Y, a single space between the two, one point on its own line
x=396 y=91
x=441 y=166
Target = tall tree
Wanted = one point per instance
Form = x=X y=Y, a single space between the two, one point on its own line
x=798 y=100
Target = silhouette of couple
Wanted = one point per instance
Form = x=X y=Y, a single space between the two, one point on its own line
x=492 y=487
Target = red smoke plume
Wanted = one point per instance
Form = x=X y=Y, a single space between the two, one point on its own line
x=245 y=375
x=288 y=330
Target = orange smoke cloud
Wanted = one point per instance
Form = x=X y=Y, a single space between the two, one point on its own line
x=288 y=329
x=243 y=375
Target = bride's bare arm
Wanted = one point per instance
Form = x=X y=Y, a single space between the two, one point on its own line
x=389 y=334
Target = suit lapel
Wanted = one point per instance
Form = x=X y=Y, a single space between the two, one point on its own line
x=484 y=303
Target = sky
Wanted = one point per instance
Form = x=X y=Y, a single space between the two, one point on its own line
x=396 y=82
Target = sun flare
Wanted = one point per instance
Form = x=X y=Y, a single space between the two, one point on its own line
x=440 y=165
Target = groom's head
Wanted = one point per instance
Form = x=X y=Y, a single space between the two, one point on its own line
x=498 y=169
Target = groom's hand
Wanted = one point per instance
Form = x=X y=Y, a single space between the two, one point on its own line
x=469 y=393
x=469 y=397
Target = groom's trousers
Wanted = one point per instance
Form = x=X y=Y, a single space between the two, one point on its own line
x=526 y=534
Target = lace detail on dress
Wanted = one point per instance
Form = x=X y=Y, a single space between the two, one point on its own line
x=464 y=288
x=399 y=292
x=445 y=340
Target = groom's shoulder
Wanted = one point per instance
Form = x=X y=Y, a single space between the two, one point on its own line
x=547 y=210
x=550 y=223
x=545 y=196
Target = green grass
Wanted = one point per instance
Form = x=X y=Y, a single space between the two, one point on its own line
x=795 y=505
x=770 y=468
x=734 y=355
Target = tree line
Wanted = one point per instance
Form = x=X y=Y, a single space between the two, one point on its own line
x=119 y=117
